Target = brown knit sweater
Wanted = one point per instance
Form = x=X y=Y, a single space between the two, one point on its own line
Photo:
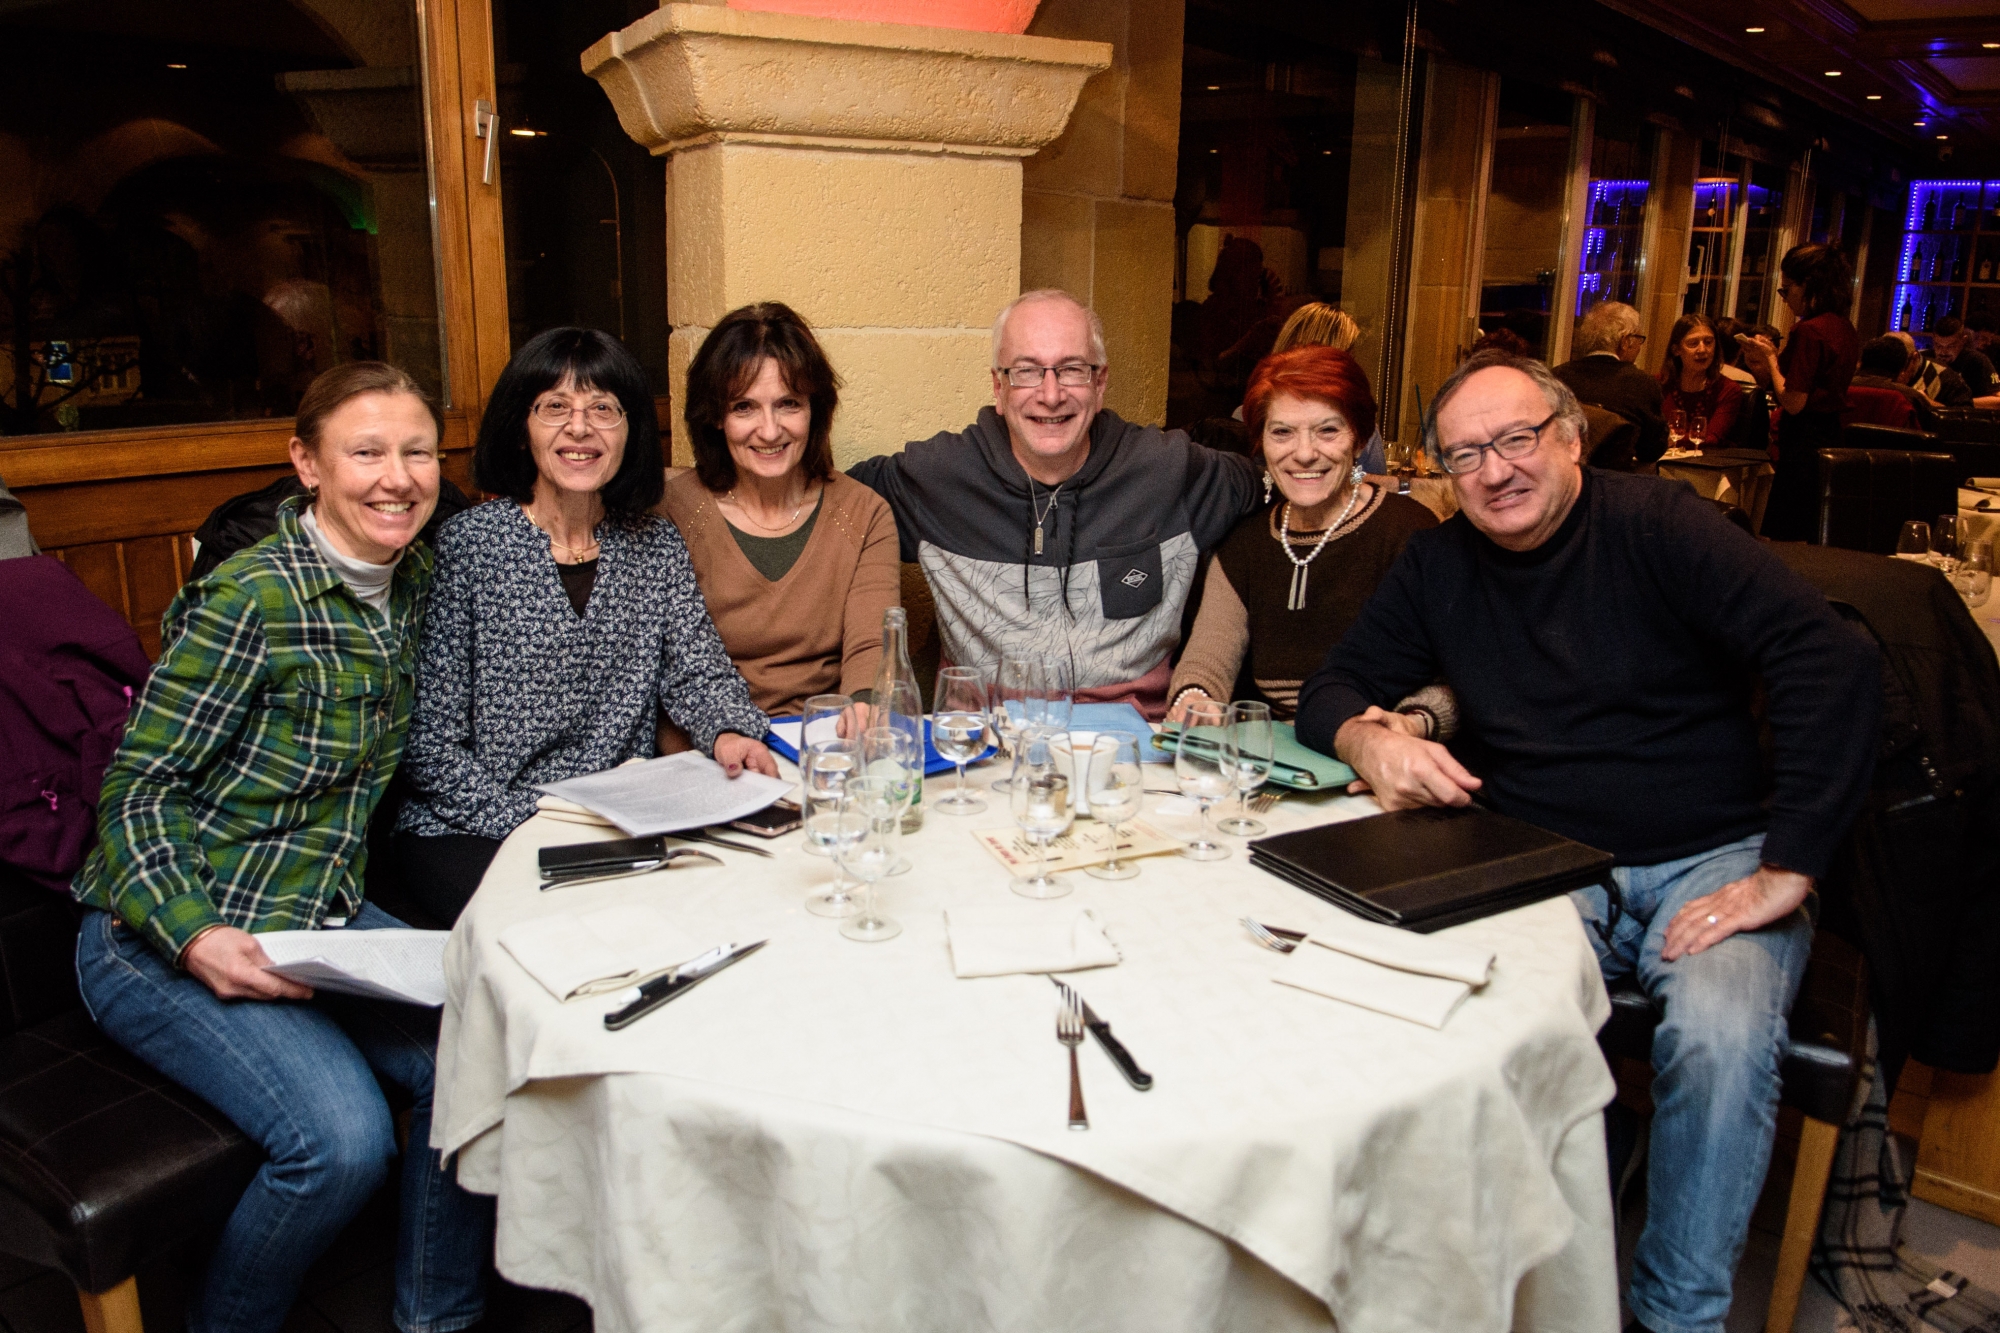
x=1243 y=635
x=819 y=628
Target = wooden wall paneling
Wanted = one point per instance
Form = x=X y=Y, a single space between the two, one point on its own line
x=473 y=236
x=154 y=569
x=447 y=116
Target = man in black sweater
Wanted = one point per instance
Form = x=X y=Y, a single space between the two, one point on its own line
x=1602 y=632
x=1602 y=374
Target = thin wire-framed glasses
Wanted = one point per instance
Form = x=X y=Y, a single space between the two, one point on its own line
x=1459 y=459
x=602 y=414
x=1071 y=375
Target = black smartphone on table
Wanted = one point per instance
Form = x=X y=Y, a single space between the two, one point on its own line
x=772 y=821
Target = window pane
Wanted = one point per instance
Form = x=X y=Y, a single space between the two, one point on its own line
x=1287 y=170
x=1615 y=213
x=1524 y=212
x=209 y=203
x=583 y=203
x=1767 y=210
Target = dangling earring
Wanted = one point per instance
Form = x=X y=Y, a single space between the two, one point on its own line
x=1267 y=485
x=1359 y=475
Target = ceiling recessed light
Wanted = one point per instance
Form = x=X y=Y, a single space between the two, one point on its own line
x=1991 y=46
x=1833 y=74
x=171 y=66
x=1944 y=136
x=1753 y=30
x=522 y=134
x=1215 y=150
x=1215 y=87
x=1874 y=97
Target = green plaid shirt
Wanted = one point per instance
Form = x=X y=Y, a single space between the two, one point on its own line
x=267 y=733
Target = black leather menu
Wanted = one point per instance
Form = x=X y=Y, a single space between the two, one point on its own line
x=1431 y=867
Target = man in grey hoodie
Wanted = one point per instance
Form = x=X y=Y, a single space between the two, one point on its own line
x=1052 y=528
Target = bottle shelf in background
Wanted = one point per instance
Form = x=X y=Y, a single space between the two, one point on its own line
x=1950 y=259
x=1614 y=230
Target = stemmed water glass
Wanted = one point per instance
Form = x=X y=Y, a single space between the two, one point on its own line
x=1114 y=786
x=874 y=809
x=1205 y=777
x=1974 y=576
x=1057 y=694
x=1015 y=685
x=1944 y=542
x=1914 y=541
x=958 y=730
x=891 y=754
x=1039 y=792
x=826 y=717
x=1247 y=750
x=825 y=769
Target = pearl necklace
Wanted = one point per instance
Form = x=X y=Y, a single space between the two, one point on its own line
x=780 y=527
x=1297 y=600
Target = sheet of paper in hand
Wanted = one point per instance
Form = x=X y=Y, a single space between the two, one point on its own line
x=402 y=965
x=674 y=792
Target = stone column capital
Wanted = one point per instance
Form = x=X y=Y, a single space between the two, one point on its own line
x=693 y=74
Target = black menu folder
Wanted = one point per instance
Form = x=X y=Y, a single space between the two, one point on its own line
x=1431 y=867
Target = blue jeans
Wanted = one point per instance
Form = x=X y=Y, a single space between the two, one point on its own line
x=299 y=1078
x=1716 y=1059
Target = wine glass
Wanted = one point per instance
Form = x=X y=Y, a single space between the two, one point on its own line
x=958 y=730
x=1058 y=693
x=892 y=754
x=826 y=718
x=1697 y=430
x=825 y=769
x=1248 y=745
x=1944 y=542
x=874 y=806
x=1040 y=796
x=1114 y=784
x=1974 y=576
x=1015 y=685
x=1205 y=777
x=1914 y=541
x=1676 y=426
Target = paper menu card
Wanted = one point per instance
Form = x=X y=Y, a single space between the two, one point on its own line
x=1083 y=845
x=671 y=793
x=406 y=966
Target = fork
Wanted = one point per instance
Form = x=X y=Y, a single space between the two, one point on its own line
x=1264 y=800
x=1269 y=938
x=1069 y=1031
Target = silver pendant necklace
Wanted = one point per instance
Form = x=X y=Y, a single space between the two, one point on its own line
x=1297 y=600
x=1041 y=513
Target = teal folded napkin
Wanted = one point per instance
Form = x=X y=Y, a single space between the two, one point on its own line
x=1292 y=764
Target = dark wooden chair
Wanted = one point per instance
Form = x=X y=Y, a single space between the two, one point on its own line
x=1866 y=495
x=1822 y=1061
x=105 y=1166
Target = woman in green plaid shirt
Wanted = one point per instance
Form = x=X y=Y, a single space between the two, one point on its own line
x=239 y=803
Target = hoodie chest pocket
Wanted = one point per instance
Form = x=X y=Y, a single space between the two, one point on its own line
x=1129 y=580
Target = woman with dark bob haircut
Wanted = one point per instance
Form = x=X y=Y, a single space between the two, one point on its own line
x=564 y=619
x=797 y=561
x=1809 y=381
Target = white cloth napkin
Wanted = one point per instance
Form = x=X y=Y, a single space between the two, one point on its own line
x=999 y=939
x=1416 y=977
x=606 y=950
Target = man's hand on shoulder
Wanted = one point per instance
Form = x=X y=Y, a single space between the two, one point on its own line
x=1398 y=765
x=1758 y=899
x=231 y=963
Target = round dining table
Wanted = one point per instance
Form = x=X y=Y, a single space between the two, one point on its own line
x=835 y=1135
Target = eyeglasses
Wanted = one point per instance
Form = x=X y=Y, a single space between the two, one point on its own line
x=601 y=414
x=1635 y=337
x=1459 y=459
x=1071 y=375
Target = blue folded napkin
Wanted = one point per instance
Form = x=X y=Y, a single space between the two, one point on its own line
x=934 y=763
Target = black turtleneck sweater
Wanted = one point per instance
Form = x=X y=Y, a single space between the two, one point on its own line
x=1604 y=678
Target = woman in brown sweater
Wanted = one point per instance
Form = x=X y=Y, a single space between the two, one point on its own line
x=1287 y=582
x=797 y=562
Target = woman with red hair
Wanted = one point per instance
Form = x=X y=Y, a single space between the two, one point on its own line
x=1287 y=582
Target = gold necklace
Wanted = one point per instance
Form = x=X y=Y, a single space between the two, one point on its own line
x=576 y=551
x=755 y=524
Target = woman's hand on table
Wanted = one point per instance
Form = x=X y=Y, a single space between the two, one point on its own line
x=231 y=963
x=1178 y=713
x=1769 y=894
x=737 y=752
x=1401 y=768
x=854 y=722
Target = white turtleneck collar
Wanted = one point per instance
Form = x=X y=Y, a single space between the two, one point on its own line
x=368 y=582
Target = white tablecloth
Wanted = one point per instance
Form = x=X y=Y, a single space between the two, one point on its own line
x=842 y=1136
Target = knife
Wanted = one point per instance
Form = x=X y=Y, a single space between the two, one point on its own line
x=1113 y=1047
x=679 y=981
x=592 y=874
x=703 y=835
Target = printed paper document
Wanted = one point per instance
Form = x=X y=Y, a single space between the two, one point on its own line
x=402 y=965
x=674 y=792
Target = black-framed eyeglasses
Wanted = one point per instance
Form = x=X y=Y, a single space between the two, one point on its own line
x=602 y=414
x=1459 y=459
x=1070 y=374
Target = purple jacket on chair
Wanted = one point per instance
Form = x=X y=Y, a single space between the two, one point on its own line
x=70 y=668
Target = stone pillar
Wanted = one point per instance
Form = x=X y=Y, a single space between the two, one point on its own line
x=1097 y=205
x=1669 y=229
x=866 y=174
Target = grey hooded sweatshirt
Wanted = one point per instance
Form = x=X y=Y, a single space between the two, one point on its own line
x=1120 y=542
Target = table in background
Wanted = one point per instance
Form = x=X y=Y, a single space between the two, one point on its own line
x=1741 y=477
x=839 y=1135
